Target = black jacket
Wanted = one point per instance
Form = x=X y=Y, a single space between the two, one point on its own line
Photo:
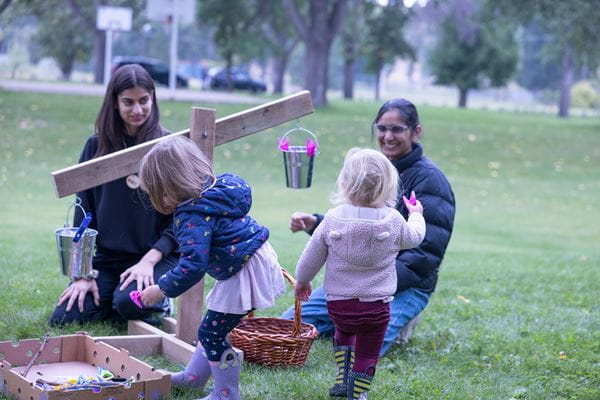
x=127 y=224
x=418 y=267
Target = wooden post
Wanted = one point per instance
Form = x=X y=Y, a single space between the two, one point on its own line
x=189 y=312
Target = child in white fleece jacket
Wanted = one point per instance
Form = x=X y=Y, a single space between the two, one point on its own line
x=359 y=241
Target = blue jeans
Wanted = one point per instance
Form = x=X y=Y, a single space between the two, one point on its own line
x=405 y=306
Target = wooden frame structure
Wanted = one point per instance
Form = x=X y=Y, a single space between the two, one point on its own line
x=176 y=342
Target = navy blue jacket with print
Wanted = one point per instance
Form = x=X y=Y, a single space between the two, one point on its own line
x=215 y=234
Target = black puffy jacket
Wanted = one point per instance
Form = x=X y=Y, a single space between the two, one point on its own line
x=418 y=267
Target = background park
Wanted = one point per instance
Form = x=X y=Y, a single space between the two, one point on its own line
x=515 y=314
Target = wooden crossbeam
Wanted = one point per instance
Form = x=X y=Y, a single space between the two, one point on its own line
x=97 y=171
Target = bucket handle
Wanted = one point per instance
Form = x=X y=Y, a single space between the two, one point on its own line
x=76 y=203
x=299 y=128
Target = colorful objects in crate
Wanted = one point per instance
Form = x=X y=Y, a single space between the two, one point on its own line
x=298 y=161
x=104 y=379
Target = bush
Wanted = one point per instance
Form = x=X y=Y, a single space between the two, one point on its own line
x=584 y=95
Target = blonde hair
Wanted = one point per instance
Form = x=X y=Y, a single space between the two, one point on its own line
x=367 y=179
x=175 y=168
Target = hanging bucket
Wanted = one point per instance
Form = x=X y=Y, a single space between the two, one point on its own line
x=76 y=246
x=298 y=161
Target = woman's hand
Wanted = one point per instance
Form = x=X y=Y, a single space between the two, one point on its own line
x=77 y=291
x=412 y=204
x=142 y=272
x=302 y=291
x=152 y=295
x=302 y=221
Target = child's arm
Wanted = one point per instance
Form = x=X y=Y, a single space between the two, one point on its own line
x=194 y=237
x=312 y=259
x=413 y=231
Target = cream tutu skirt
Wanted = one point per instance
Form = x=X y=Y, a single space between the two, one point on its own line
x=255 y=286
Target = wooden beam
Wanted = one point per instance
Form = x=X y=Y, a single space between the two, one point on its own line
x=97 y=171
x=137 y=345
x=174 y=349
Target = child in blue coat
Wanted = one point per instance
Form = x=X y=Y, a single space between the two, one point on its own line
x=216 y=236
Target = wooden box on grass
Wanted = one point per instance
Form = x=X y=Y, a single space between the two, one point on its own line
x=72 y=356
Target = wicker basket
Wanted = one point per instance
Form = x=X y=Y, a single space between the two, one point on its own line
x=275 y=341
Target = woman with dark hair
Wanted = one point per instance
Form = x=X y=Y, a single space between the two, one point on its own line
x=135 y=243
x=398 y=130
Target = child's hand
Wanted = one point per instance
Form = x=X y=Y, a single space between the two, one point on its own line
x=412 y=204
x=152 y=295
x=303 y=291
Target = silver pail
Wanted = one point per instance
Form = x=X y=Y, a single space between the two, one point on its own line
x=75 y=257
x=298 y=167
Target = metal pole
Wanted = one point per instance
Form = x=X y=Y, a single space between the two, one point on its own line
x=173 y=49
x=107 y=55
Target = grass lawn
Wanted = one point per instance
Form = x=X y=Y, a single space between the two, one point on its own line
x=516 y=313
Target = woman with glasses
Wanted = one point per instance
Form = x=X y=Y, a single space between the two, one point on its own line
x=398 y=130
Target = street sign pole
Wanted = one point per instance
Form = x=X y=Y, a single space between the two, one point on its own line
x=110 y=19
x=173 y=47
x=107 y=55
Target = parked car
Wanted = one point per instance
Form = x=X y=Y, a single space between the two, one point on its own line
x=158 y=70
x=239 y=79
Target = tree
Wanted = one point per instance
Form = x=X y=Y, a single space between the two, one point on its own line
x=317 y=30
x=536 y=71
x=3 y=5
x=280 y=38
x=352 y=31
x=573 y=28
x=234 y=32
x=385 y=38
x=475 y=47
x=54 y=31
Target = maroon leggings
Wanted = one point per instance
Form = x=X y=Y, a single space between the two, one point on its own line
x=362 y=325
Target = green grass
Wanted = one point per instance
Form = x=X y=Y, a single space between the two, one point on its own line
x=518 y=288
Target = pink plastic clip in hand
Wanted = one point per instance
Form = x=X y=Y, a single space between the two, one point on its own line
x=136 y=297
x=413 y=199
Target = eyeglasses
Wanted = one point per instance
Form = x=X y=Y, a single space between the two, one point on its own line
x=394 y=129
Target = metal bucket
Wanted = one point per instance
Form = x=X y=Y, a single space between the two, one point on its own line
x=75 y=257
x=298 y=161
x=298 y=167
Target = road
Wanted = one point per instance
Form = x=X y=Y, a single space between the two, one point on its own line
x=162 y=93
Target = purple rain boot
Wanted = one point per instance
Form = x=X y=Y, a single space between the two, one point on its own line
x=226 y=376
x=196 y=373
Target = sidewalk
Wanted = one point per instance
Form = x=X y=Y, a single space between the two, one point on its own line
x=98 y=90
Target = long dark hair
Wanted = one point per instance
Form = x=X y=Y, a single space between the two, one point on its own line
x=110 y=128
x=407 y=110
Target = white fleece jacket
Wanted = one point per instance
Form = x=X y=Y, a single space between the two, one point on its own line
x=360 y=246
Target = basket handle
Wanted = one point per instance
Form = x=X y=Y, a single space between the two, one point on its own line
x=297 y=305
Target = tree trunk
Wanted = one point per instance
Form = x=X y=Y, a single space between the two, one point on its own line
x=66 y=67
x=462 y=97
x=279 y=67
x=99 y=42
x=349 y=71
x=229 y=65
x=317 y=31
x=317 y=60
x=565 y=85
